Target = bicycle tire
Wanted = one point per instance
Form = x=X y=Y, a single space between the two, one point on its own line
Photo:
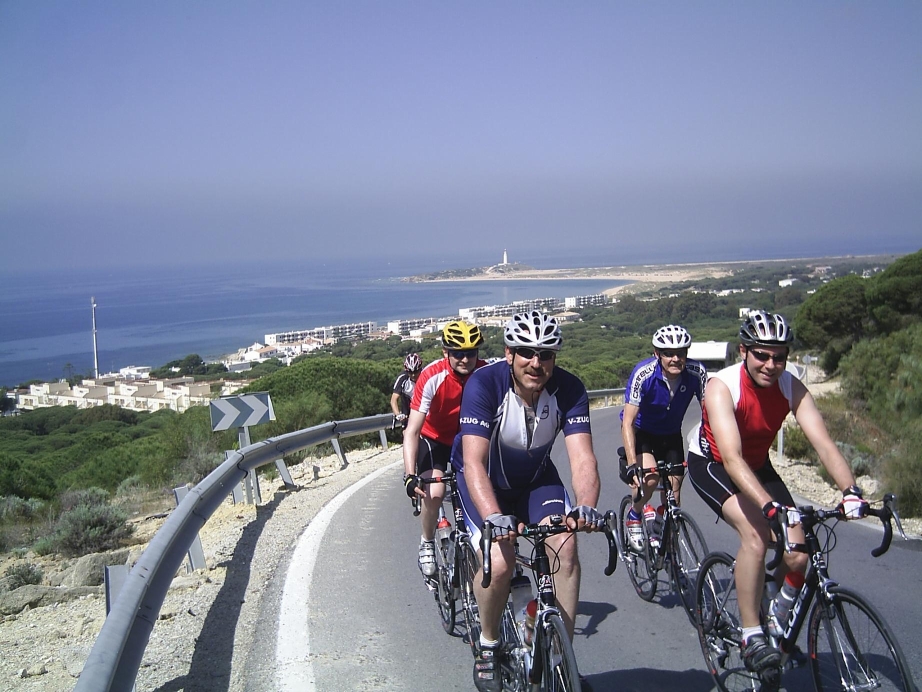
x=851 y=647
x=444 y=593
x=718 y=624
x=559 y=672
x=688 y=550
x=639 y=566
x=466 y=571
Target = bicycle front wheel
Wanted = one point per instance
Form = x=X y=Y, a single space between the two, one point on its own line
x=688 y=550
x=444 y=594
x=558 y=662
x=852 y=648
x=639 y=565
x=465 y=572
x=718 y=623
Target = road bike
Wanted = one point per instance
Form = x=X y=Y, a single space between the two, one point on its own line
x=849 y=645
x=456 y=565
x=681 y=546
x=538 y=655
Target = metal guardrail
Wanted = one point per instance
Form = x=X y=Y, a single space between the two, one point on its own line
x=119 y=649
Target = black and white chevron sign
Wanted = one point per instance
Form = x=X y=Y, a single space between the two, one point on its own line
x=241 y=411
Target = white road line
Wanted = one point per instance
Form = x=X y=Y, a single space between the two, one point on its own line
x=295 y=670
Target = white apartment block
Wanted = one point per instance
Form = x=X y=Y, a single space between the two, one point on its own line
x=332 y=332
x=177 y=394
x=582 y=301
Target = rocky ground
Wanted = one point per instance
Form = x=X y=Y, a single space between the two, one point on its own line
x=47 y=632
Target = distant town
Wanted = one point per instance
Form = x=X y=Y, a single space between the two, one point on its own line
x=133 y=387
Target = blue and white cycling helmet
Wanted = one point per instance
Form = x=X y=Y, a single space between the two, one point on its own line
x=671 y=336
x=762 y=328
x=532 y=330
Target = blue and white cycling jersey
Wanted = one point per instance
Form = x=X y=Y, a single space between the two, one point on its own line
x=490 y=408
x=647 y=389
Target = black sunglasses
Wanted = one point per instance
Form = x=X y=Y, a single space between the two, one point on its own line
x=763 y=357
x=461 y=355
x=529 y=353
x=671 y=353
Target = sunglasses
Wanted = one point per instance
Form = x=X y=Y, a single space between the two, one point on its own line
x=461 y=355
x=529 y=353
x=763 y=357
x=670 y=353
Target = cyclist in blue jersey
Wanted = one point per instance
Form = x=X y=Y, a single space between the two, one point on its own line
x=656 y=398
x=511 y=413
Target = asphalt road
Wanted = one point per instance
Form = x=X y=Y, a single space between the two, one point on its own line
x=373 y=624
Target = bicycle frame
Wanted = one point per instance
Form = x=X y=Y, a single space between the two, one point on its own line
x=672 y=506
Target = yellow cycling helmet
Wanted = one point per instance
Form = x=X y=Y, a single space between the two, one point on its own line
x=461 y=335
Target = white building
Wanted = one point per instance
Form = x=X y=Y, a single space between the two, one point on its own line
x=177 y=394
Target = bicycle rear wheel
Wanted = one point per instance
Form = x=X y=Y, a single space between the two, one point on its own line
x=444 y=594
x=557 y=660
x=688 y=550
x=852 y=648
x=718 y=623
x=639 y=565
x=465 y=571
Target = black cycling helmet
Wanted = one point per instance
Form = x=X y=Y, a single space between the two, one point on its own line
x=762 y=328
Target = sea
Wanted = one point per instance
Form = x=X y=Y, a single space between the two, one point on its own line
x=154 y=316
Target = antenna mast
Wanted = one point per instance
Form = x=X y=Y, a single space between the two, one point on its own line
x=95 y=352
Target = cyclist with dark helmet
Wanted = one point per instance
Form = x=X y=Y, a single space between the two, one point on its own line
x=511 y=413
x=432 y=425
x=404 y=386
x=658 y=393
x=729 y=466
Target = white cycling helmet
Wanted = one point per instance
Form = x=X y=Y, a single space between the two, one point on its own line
x=671 y=336
x=762 y=328
x=532 y=330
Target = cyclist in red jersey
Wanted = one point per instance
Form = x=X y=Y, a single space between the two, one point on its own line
x=744 y=408
x=435 y=412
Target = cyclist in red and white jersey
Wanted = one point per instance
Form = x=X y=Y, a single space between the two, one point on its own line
x=432 y=425
x=728 y=464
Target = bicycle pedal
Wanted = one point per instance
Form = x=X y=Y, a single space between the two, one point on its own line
x=770 y=679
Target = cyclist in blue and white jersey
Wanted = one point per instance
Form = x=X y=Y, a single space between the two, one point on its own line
x=511 y=413
x=656 y=398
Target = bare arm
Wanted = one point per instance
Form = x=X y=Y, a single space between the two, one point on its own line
x=476 y=452
x=395 y=404
x=811 y=422
x=411 y=441
x=719 y=404
x=584 y=469
x=627 y=434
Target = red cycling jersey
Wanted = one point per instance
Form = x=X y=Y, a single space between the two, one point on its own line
x=759 y=412
x=438 y=395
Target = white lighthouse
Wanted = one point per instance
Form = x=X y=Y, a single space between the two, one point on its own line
x=505 y=257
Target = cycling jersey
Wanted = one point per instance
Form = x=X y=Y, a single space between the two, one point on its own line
x=519 y=446
x=404 y=386
x=759 y=412
x=438 y=395
x=661 y=412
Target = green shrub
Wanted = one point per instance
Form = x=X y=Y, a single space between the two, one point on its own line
x=86 y=497
x=130 y=485
x=797 y=446
x=91 y=529
x=44 y=546
x=22 y=574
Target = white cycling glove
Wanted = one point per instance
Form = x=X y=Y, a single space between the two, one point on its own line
x=502 y=524
x=853 y=505
x=590 y=515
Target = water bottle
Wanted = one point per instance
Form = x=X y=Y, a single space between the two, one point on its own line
x=768 y=596
x=659 y=521
x=528 y=624
x=781 y=606
x=520 y=592
x=649 y=516
x=443 y=531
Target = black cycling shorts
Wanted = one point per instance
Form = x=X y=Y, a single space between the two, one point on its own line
x=668 y=448
x=432 y=455
x=713 y=483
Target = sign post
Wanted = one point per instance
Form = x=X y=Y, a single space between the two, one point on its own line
x=241 y=412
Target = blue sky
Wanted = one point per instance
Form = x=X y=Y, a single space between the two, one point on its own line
x=184 y=132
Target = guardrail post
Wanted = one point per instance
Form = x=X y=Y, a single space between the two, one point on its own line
x=195 y=553
x=781 y=444
x=283 y=472
x=251 y=480
x=339 y=452
x=383 y=440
